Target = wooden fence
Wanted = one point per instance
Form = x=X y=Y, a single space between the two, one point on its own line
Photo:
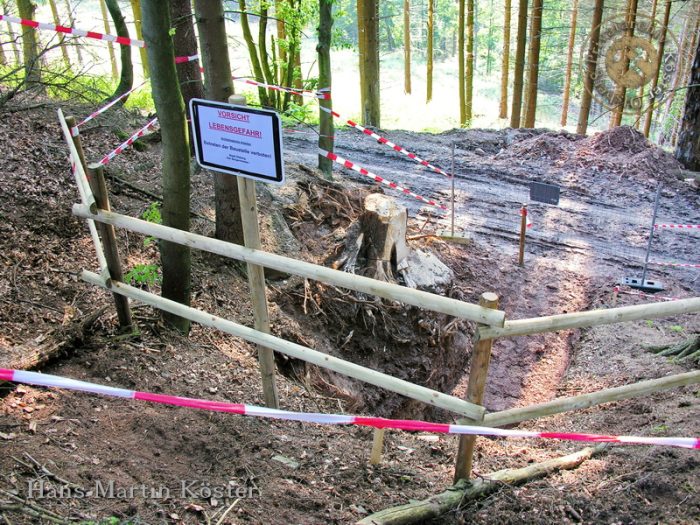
x=491 y=321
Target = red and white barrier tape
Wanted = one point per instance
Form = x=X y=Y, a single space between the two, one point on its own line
x=323 y=94
x=618 y=290
x=112 y=103
x=523 y=211
x=377 y=178
x=388 y=143
x=678 y=265
x=128 y=142
x=183 y=59
x=47 y=380
x=73 y=31
x=677 y=226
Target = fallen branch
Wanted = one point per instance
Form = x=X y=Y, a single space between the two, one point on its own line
x=464 y=491
x=45 y=347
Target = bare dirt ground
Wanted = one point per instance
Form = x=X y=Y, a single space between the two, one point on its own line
x=575 y=254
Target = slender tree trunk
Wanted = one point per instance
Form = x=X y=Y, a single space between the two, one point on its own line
x=264 y=58
x=218 y=85
x=110 y=46
x=407 y=46
x=126 y=78
x=30 y=45
x=61 y=38
x=534 y=64
x=298 y=81
x=252 y=52
x=323 y=48
x=489 y=36
x=469 y=73
x=281 y=37
x=176 y=154
x=569 y=64
x=368 y=36
x=687 y=78
x=13 y=42
x=69 y=9
x=461 y=69
x=688 y=148
x=185 y=44
x=429 y=52
x=136 y=11
x=620 y=90
x=591 y=64
x=655 y=79
x=521 y=38
x=3 y=58
x=505 y=63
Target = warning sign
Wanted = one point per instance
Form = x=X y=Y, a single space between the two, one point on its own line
x=238 y=140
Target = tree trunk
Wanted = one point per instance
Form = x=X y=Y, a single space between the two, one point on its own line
x=655 y=79
x=126 y=79
x=170 y=109
x=429 y=52
x=264 y=57
x=569 y=64
x=534 y=64
x=427 y=510
x=323 y=48
x=281 y=37
x=185 y=44
x=218 y=85
x=407 y=46
x=136 y=11
x=688 y=148
x=30 y=45
x=469 y=72
x=252 y=51
x=591 y=64
x=461 y=68
x=620 y=89
x=505 y=63
x=521 y=39
x=368 y=39
x=61 y=38
x=110 y=46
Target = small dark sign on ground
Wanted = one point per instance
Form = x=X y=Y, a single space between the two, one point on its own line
x=547 y=193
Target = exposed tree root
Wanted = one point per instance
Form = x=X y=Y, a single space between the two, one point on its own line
x=688 y=350
x=462 y=492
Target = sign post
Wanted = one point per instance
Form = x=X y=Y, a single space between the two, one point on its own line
x=246 y=142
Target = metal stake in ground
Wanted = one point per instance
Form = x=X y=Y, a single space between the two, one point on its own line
x=643 y=284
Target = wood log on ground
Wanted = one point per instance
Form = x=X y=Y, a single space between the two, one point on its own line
x=45 y=347
x=688 y=350
x=464 y=492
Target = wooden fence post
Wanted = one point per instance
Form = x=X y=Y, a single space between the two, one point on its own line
x=478 y=372
x=523 y=229
x=109 y=241
x=377 y=446
x=256 y=279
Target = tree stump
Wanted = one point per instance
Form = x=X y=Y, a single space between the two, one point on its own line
x=383 y=236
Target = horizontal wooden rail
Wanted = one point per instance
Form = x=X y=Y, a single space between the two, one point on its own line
x=420 y=393
x=553 y=323
x=516 y=415
x=350 y=281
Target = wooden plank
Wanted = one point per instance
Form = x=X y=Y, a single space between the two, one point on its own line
x=621 y=314
x=478 y=373
x=359 y=283
x=516 y=415
x=405 y=388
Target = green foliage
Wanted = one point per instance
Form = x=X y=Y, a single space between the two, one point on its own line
x=660 y=429
x=152 y=214
x=143 y=275
x=676 y=328
x=142 y=100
